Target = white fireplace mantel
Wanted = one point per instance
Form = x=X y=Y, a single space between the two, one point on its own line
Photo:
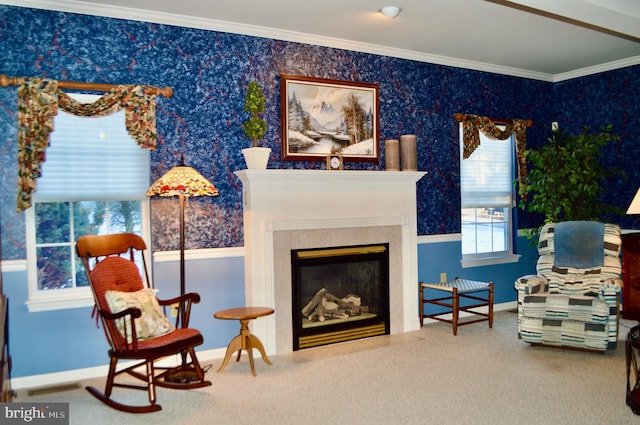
x=341 y=207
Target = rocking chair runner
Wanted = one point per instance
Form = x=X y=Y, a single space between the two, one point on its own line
x=134 y=323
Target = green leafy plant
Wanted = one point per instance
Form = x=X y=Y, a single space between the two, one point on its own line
x=566 y=177
x=255 y=127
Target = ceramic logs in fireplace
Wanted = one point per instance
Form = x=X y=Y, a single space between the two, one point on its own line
x=339 y=294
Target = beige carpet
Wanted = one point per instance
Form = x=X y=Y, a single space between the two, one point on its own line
x=481 y=376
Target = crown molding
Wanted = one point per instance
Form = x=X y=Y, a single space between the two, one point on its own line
x=596 y=69
x=119 y=12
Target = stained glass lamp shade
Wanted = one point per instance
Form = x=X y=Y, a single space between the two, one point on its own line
x=634 y=208
x=182 y=180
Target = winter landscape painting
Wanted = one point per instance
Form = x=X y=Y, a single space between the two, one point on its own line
x=321 y=117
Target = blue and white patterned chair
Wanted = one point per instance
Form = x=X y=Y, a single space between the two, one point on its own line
x=573 y=300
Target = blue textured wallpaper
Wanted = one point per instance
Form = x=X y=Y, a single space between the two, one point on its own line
x=611 y=98
x=209 y=71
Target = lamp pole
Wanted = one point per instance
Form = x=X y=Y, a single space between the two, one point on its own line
x=182 y=272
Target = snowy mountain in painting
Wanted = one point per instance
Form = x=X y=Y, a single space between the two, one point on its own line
x=323 y=109
x=325 y=116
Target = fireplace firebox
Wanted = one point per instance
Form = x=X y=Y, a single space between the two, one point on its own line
x=339 y=294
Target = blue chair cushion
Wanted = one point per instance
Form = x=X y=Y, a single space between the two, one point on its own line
x=579 y=244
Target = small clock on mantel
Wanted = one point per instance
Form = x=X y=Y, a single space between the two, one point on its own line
x=335 y=162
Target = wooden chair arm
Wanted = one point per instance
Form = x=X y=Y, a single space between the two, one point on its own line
x=133 y=311
x=189 y=299
x=130 y=337
x=192 y=297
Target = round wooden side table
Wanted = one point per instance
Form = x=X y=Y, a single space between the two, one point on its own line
x=246 y=340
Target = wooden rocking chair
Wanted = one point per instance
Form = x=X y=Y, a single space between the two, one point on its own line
x=134 y=322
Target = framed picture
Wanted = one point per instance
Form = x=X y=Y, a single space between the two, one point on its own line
x=320 y=117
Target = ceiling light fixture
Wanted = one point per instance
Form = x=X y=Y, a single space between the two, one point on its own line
x=390 y=11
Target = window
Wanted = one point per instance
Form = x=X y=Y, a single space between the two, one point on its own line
x=93 y=182
x=487 y=200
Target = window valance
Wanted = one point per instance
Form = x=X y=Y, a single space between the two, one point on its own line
x=38 y=102
x=472 y=124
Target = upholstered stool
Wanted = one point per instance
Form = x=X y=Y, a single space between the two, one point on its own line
x=458 y=288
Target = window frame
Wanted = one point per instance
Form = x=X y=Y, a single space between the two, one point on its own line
x=508 y=255
x=66 y=298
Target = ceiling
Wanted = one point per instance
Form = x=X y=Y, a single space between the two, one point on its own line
x=543 y=39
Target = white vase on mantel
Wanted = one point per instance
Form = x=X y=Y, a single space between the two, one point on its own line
x=256 y=158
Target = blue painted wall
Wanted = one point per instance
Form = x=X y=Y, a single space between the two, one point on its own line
x=49 y=341
x=208 y=72
x=439 y=257
x=220 y=284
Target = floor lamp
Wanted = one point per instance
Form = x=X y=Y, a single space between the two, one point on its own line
x=184 y=182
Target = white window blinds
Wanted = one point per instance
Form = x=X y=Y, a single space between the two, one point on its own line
x=92 y=158
x=486 y=176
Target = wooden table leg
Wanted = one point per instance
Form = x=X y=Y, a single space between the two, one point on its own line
x=421 y=305
x=491 y=305
x=455 y=310
x=249 y=348
x=234 y=345
x=256 y=343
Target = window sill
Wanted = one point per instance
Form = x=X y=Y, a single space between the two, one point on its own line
x=59 y=303
x=489 y=261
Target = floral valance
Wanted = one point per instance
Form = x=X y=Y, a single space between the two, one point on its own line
x=38 y=102
x=472 y=124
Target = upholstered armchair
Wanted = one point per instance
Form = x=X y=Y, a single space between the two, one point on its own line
x=573 y=300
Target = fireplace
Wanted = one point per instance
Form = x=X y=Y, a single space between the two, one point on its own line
x=285 y=210
x=339 y=294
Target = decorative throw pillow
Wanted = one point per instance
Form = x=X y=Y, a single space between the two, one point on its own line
x=151 y=324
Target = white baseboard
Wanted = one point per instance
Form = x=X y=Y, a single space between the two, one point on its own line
x=76 y=375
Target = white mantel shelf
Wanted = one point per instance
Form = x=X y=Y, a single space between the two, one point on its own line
x=352 y=175
x=337 y=174
x=288 y=177
x=336 y=203
x=330 y=191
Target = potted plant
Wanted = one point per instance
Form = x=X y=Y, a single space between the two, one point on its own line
x=566 y=177
x=255 y=127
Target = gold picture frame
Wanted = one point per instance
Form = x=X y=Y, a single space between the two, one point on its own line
x=321 y=117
